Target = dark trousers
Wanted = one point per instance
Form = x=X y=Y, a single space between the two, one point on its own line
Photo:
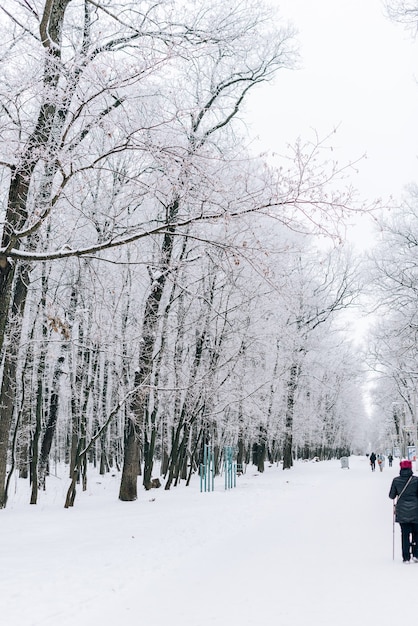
x=409 y=532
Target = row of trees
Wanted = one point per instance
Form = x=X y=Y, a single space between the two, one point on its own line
x=392 y=353
x=393 y=348
x=160 y=287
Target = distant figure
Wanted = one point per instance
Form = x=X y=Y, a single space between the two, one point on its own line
x=390 y=459
x=381 y=461
x=373 y=461
x=405 y=488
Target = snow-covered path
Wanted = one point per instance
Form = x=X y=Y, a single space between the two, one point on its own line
x=310 y=545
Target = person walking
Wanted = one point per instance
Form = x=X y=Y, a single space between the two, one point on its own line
x=405 y=488
x=381 y=461
x=390 y=459
x=372 y=459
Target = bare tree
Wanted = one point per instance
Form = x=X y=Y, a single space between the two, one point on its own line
x=319 y=293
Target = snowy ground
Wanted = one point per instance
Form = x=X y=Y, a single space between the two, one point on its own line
x=312 y=545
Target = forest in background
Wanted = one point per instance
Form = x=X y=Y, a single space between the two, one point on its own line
x=162 y=288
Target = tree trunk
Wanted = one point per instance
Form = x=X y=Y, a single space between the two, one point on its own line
x=38 y=428
x=8 y=383
x=290 y=406
x=40 y=400
x=51 y=424
x=261 y=456
x=128 y=487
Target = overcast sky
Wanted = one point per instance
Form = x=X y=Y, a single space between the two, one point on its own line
x=359 y=72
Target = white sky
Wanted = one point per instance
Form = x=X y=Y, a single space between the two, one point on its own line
x=310 y=546
x=358 y=72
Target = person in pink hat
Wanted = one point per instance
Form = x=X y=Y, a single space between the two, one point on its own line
x=405 y=489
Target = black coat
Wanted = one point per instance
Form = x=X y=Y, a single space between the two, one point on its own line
x=407 y=505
